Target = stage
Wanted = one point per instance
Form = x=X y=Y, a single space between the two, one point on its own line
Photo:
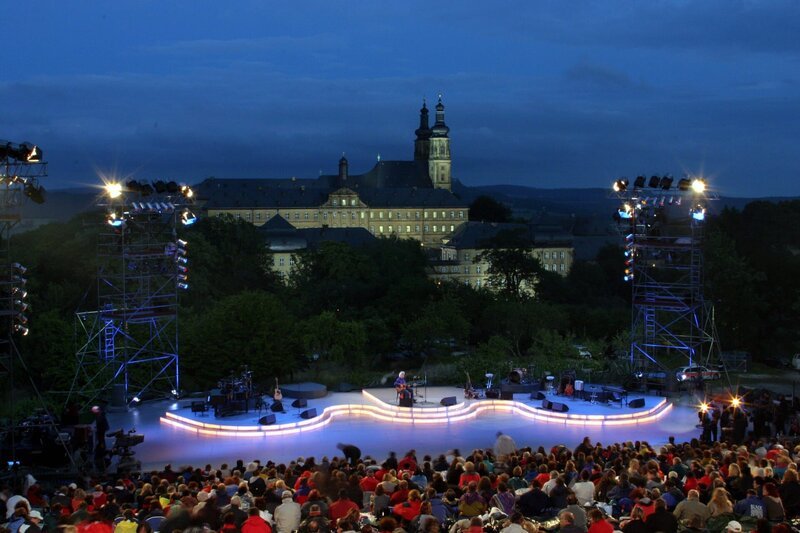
x=372 y=420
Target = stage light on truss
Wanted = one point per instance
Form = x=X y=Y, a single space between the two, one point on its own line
x=22 y=330
x=699 y=213
x=113 y=189
x=699 y=186
x=115 y=220
x=19 y=281
x=18 y=268
x=188 y=218
x=136 y=399
x=21 y=319
x=35 y=192
x=684 y=184
x=182 y=260
x=639 y=182
x=654 y=182
x=627 y=277
x=24 y=152
x=182 y=269
x=666 y=182
x=21 y=306
x=19 y=293
x=183 y=277
x=621 y=185
x=625 y=211
x=187 y=192
x=183 y=286
x=172 y=187
x=736 y=402
x=160 y=186
x=704 y=407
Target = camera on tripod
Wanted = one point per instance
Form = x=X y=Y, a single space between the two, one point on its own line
x=123 y=442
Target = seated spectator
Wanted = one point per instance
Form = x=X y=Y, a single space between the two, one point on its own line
x=598 y=522
x=566 y=522
x=662 y=520
x=471 y=503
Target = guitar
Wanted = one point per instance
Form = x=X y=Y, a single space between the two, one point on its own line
x=277 y=395
x=469 y=392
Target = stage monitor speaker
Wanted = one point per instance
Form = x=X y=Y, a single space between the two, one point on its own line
x=300 y=403
x=199 y=406
x=309 y=413
x=636 y=403
x=538 y=395
x=547 y=404
x=492 y=393
x=406 y=401
x=506 y=395
x=559 y=407
x=448 y=401
x=267 y=420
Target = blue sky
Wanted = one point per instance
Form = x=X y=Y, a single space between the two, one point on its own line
x=544 y=94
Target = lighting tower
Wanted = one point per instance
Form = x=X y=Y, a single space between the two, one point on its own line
x=131 y=338
x=663 y=231
x=21 y=166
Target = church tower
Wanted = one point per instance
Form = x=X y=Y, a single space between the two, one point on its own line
x=439 y=151
x=423 y=143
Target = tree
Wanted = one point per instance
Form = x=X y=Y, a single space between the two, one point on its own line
x=439 y=324
x=487 y=209
x=329 y=338
x=512 y=271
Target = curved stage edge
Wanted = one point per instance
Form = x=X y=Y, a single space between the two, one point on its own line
x=380 y=410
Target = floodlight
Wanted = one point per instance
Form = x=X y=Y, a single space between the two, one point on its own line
x=115 y=221
x=736 y=402
x=188 y=218
x=181 y=243
x=639 y=182
x=699 y=213
x=684 y=184
x=19 y=293
x=183 y=286
x=182 y=260
x=160 y=187
x=704 y=407
x=22 y=306
x=172 y=187
x=625 y=211
x=25 y=152
x=34 y=192
x=666 y=182
x=621 y=185
x=23 y=330
x=113 y=189
x=654 y=182
x=136 y=399
x=699 y=186
x=187 y=191
x=18 y=268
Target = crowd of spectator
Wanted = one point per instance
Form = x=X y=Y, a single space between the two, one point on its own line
x=592 y=488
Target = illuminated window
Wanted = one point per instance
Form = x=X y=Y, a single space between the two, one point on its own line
x=478 y=269
x=547 y=255
x=425 y=214
x=452 y=214
x=363 y=215
x=461 y=214
x=258 y=216
x=353 y=202
x=478 y=283
x=416 y=215
x=280 y=261
x=466 y=256
x=452 y=227
x=380 y=215
x=466 y=270
x=434 y=214
x=408 y=229
x=305 y=215
x=442 y=214
x=562 y=254
x=435 y=227
x=380 y=229
x=390 y=229
x=389 y=215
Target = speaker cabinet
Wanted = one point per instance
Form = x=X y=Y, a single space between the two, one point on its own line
x=636 y=403
x=559 y=407
x=448 y=401
x=199 y=406
x=406 y=401
x=538 y=395
x=309 y=413
x=547 y=404
x=506 y=395
x=267 y=420
x=300 y=402
x=492 y=393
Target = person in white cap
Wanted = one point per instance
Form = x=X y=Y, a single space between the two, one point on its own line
x=31 y=524
x=287 y=514
x=733 y=527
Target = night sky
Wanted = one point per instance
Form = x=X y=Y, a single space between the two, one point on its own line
x=544 y=94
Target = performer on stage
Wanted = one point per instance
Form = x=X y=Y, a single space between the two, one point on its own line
x=404 y=392
x=400 y=382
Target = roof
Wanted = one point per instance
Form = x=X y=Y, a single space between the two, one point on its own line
x=477 y=235
x=388 y=184
x=281 y=236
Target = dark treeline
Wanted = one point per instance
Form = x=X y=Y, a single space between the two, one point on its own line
x=350 y=314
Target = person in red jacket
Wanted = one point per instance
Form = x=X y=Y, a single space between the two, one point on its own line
x=409 y=509
x=468 y=475
x=341 y=507
x=254 y=523
x=598 y=522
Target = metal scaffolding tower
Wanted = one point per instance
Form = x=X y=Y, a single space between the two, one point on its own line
x=663 y=228
x=21 y=166
x=131 y=338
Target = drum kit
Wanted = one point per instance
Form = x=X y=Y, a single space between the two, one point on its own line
x=237 y=387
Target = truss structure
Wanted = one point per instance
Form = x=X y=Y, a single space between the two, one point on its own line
x=130 y=347
x=663 y=228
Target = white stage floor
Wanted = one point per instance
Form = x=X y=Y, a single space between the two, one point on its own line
x=372 y=421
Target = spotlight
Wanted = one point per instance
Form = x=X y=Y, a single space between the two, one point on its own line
x=19 y=268
x=699 y=186
x=699 y=213
x=684 y=184
x=621 y=185
x=34 y=192
x=666 y=182
x=188 y=218
x=181 y=243
x=115 y=221
x=25 y=152
x=160 y=187
x=639 y=182
x=183 y=286
x=736 y=402
x=19 y=280
x=625 y=211
x=174 y=393
x=21 y=306
x=113 y=189
x=19 y=293
x=182 y=260
x=172 y=187
x=654 y=182
x=136 y=399
x=187 y=191
x=133 y=186
x=22 y=330
x=182 y=269
x=704 y=407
